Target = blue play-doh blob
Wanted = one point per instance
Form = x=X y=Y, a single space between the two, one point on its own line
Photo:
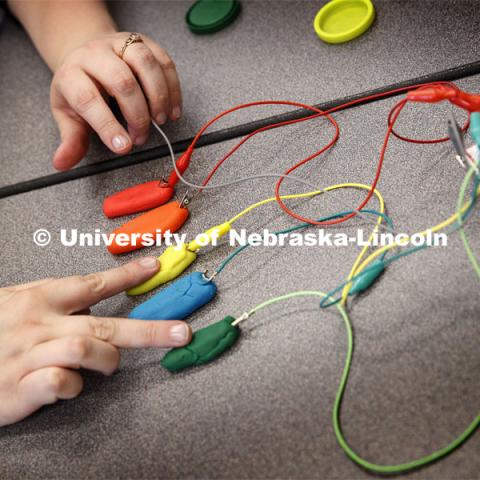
x=178 y=300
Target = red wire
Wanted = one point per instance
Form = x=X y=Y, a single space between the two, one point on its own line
x=421 y=141
x=268 y=127
x=276 y=125
x=370 y=192
x=263 y=129
x=392 y=118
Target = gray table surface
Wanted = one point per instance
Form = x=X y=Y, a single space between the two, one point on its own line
x=271 y=51
x=264 y=409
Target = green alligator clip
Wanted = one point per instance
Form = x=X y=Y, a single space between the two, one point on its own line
x=365 y=280
x=475 y=127
x=207 y=344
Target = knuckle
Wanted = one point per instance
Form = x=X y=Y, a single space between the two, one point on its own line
x=142 y=122
x=150 y=333
x=146 y=58
x=28 y=297
x=56 y=380
x=102 y=328
x=79 y=348
x=176 y=93
x=106 y=125
x=84 y=100
x=78 y=55
x=64 y=73
x=96 y=283
x=28 y=303
x=127 y=274
x=91 y=46
x=162 y=99
x=124 y=84
x=159 y=102
x=167 y=63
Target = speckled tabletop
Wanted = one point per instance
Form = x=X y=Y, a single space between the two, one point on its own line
x=264 y=409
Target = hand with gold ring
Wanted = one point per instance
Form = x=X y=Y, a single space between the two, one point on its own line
x=134 y=70
x=91 y=61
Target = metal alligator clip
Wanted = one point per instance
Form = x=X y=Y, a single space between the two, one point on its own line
x=456 y=137
x=186 y=199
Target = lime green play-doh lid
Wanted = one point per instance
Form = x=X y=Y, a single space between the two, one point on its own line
x=342 y=20
x=208 y=16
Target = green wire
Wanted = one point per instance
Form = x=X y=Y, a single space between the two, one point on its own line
x=438 y=454
x=373 y=467
x=388 y=261
x=456 y=227
x=240 y=249
x=461 y=230
x=290 y=295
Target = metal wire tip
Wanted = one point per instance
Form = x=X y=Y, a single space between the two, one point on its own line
x=460 y=161
x=241 y=318
x=209 y=278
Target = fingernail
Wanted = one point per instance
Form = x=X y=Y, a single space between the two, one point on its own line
x=176 y=113
x=148 y=262
x=179 y=333
x=119 y=142
x=161 y=118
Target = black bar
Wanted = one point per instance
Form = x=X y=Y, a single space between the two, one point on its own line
x=450 y=74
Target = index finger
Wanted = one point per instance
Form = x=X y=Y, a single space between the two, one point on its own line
x=73 y=294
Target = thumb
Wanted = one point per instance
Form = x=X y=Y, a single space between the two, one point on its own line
x=74 y=133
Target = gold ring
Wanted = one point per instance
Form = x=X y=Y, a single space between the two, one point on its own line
x=132 y=38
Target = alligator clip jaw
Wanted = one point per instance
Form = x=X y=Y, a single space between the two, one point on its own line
x=186 y=199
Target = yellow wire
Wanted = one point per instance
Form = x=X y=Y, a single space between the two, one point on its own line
x=268 y=200
x=318 y=192
x=370 y=238
x=364 y=250
x=311 y=194
x=453 y=218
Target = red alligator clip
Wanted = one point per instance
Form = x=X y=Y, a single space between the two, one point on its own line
x=167 y=217
x=146 y=195
x=182 y=164
x=437 y=93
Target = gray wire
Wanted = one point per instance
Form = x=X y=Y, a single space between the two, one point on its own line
x=246 y=179
x=226 y=184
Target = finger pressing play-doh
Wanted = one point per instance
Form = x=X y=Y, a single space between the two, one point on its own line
x=207 y=344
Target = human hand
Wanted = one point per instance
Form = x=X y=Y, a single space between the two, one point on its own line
x=42 y=342
x=144 y=83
